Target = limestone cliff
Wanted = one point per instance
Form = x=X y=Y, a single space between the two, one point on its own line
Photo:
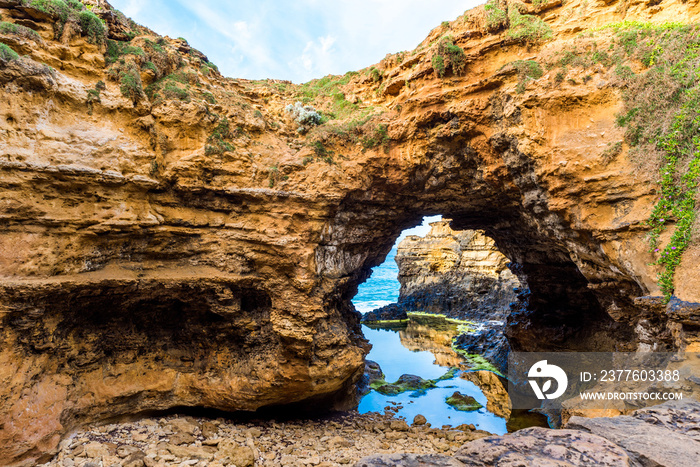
x=459 y=273
x=171 y=237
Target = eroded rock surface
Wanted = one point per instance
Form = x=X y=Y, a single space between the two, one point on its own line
x=185 y=246
x=660 y=436
x=665 y=435
x=457 y=273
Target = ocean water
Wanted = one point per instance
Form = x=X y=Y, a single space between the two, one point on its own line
x=382 y=288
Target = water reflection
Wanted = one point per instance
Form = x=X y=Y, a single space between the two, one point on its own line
x=422 y=346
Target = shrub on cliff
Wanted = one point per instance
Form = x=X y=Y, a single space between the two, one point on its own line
x=527 y=70
x=662 y=120
x=7 y=54
x=379 y=137
x=305 y=115
x=216 y=142
x=527 y=28
x=130 y=83
x=92 y=27
x=448 y=56
x=71 y=11
x=19 y=30
x=327 y=92
x=495 y=17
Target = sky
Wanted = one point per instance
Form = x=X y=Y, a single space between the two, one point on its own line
x=296 y=40
x=420 y=230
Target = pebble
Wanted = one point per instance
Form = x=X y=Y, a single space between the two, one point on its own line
x=341 y=439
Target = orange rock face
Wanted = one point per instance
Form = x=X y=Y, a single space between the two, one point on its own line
x=183 y=245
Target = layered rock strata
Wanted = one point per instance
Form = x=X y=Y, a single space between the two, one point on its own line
x=169 y=239
x=457 y=273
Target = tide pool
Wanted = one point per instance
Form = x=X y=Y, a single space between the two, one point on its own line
x=398 y=352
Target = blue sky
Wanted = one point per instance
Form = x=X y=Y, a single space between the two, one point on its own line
x=296 y=40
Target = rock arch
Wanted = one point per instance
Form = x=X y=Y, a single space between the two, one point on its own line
x=141 y=271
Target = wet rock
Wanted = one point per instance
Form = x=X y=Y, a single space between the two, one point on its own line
x=489 y=341
x=495 y=390
x=463 y=402
x=419 y=420
x=385 y=313
x=405 y=383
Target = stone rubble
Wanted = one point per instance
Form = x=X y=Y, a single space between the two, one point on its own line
x=191 y=441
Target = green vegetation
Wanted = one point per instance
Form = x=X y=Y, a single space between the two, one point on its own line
x=92 y=27
x=305 y=115
x=463 y=402
x=403 y=384
x=130 y=83
x=321 y=152
x=419 y=314
x=217 y=141
x=173 y=86
x=495 y=17
x=662 y=117
x=19 y=30
x=326 y=93
x=527 y=28
x=448 y=55
x=613 y=150
x=449 y=374
x=72 y=10
x=150 y=66
x=7 y=54
x=93 y=95
x=117 y=49
x=378 y=137
x=375 y=73
x=274 y=175
x=171 y=90
x=527 y=70
x=559 y=77
x=209 y=97
x=475 y=361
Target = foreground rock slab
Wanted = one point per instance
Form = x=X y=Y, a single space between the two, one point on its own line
x=531 y=447
x=665 y=435
x=662 y=435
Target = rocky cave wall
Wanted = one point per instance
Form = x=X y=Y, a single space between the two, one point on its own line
x=147 y=265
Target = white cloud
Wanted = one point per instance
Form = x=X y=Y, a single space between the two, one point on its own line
x=132 y=8
x=318 y=55
x=295 y=40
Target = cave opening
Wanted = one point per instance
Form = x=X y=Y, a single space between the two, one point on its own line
x=434 y=313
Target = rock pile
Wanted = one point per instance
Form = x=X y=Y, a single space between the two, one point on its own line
x=193 y=441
